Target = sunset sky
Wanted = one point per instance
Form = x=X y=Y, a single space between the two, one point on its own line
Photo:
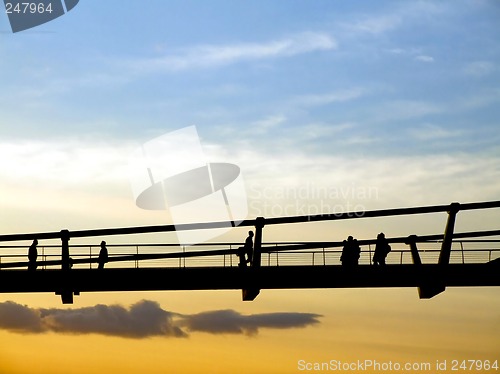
x=326 y=106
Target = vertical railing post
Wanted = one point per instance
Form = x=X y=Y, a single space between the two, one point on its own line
x=412 y=242
x=65 y=250
x=257 y=246
x=230 y=256
x=66 y=290
x=462 y=247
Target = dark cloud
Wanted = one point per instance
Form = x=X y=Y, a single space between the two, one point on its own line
x=143 y=319
x=232 y=322
x=20 y=318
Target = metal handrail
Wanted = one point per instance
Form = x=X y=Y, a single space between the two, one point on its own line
x=458 y=256
x=251 y=222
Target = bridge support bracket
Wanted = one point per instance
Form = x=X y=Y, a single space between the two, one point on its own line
x=430 y=285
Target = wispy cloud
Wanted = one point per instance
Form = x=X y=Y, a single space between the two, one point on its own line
x=392 y=19
x=374 y=24
x=329 y=97
x=430 y=131
x=415 y=53
x=405 y=109
x=266 y=124
x=424 y=58
x=69 y=160
x=144 y=319
x=209 y=56
x=480 y=68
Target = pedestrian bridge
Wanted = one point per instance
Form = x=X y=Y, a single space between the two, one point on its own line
x=431 y=262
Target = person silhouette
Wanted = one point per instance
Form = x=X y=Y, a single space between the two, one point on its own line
x=382 y=249
x=249 y=247
x=32 y=255
x=103 y=255
x=350 y=252
x=344 y=257
x=356 y=252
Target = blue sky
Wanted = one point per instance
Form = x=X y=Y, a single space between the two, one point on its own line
x=426 y=72
x=400 y=96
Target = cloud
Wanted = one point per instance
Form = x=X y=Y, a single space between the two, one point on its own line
x=18 y=318
x=393 y=18
x=231 y=322
x=208 y=56
x=143 y=319
x=329 y=98
x=264 y=125
x=424 y=58
x=480 y=68
x=71 y=160
x=405 y=110
x=429 y=132
x=375 y=25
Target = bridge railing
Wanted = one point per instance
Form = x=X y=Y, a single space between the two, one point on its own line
x=400 y=255
x=463 y=252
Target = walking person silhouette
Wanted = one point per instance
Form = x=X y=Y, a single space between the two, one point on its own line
x=32 y=255
x=249 y=247
x=103 y=255
x=382 y=249
x=350 y=252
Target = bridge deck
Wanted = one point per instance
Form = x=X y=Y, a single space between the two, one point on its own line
x=269 y=277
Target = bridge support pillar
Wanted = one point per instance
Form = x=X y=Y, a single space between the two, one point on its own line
x=427 y=287
x=257 y=246
x=444 y=255
x=412 y=242
x=436 y=284
x=66 y=290
x=249 y=294
x=65 y=250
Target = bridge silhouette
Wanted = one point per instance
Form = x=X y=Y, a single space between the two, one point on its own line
x=429 y=262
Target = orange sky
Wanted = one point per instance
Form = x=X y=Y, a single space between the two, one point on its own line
x=369 y=324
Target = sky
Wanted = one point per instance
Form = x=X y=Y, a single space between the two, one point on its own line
x=325 y=106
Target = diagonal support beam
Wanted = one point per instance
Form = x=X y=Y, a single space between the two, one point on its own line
x=444 y=256
x=436 y=285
